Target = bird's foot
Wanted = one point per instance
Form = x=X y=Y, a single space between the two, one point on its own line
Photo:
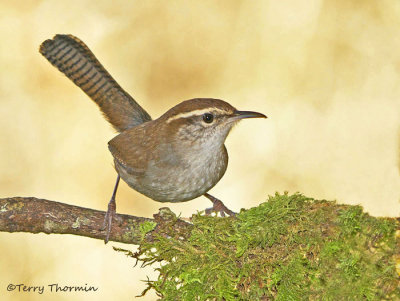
x=109 y=218
x=218 y=207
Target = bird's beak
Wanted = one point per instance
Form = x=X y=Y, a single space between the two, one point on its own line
x=237 y=115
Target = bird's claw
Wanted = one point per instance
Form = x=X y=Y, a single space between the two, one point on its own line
x=218 y=207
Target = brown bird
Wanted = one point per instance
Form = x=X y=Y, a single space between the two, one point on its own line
x=175 y=158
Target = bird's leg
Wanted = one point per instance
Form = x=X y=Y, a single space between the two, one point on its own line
x=218 y=206
x=112 y=206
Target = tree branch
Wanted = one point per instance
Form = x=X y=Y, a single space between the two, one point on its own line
x=33 y=215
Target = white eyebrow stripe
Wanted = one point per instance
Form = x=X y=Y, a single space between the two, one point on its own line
x=195 y=113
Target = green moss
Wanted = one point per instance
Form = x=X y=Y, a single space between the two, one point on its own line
x=79 y=222
x=146 y=227
x=51 y=226
x=288 y=248
x=14 y=206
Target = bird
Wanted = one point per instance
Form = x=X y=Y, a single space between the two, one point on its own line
x=175 y=158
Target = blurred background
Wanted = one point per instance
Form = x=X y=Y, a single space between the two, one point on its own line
x=326 y=72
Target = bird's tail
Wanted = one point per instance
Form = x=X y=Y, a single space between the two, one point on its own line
x=73 y=58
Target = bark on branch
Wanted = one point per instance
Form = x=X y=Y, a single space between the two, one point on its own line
x=33 y=215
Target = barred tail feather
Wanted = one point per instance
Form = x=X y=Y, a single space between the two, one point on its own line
x=73 y=58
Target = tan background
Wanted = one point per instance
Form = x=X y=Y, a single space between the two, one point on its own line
x=325 y=72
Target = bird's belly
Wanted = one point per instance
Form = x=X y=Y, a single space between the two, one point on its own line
x=174 y=184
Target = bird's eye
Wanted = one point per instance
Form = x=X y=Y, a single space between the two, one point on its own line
x=208 y=117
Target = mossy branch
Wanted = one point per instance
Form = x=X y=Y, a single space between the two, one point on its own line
x=33 y=215
x=288 y=248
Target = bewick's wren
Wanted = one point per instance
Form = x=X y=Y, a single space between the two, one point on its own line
x=175 y=158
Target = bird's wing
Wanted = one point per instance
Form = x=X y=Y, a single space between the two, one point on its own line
x=132 y=149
